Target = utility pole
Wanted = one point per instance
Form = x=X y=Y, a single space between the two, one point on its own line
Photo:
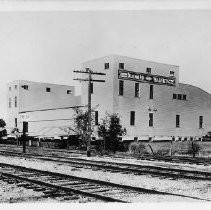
x=25 y=125
x=89 y=80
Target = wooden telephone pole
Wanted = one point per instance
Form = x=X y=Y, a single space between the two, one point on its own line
x=25 y=129
x=89 y=80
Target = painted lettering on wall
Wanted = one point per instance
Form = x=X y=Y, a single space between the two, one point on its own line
x=142 y=77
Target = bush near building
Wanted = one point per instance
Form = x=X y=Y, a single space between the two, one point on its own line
x=186 y=148
x=110 y=130
x=3 y=131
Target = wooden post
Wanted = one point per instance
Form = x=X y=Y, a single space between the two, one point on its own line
x=89 y=80
x=25 y=124
x=89 y=116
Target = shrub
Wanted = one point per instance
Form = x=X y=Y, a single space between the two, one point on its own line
x=193 y=148
x=133 y=147
x=137 y=148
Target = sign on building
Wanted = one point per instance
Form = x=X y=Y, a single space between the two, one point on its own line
x=143 y=77
x=24 y=117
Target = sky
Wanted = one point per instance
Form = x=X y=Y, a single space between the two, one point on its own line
x=46 y=46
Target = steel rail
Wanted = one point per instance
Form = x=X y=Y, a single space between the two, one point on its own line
x=124 y=167
x=94 y=181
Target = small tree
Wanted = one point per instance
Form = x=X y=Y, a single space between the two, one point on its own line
x=3 y=131
x=110 y=130
x=81 y=126
x=193 y=148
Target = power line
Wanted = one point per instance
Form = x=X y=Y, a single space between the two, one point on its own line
x=92 y=80
x=40 y=110
x=50 y=120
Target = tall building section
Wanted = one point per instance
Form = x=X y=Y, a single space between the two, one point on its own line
x=149 y=98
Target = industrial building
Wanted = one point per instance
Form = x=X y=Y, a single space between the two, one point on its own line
x=48 y=108
x=150 y=100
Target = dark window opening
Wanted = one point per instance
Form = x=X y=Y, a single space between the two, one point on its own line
x=69 y=91
x=96 y=118
x=48 y=89
x=184 y=97
x=151 y=92
x=16 y=87
x=171 y=73
x=25 y=87
x=137 y=89
x=179 y=96
x=174 y=96
x=91 y=88
x=16 y=122
x=121 y=65
x=121 y=88
x=200 y=121
x=150 y=119
x=177 y=121
x=149 y=70
x=15 y=101
x=106 y=65
x=10 y=103
x=132 y=118
x=10 y=88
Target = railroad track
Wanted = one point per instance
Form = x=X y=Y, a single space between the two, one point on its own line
x=174 y=173
x=184 y=160
x=99 y=190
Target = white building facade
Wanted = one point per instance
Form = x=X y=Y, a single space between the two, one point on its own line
x=48 y=108
x=149 y=99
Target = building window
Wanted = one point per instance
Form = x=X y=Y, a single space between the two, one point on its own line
x=177 y=121
x=184 y=97
x=16 y=87
x=106 y=65
x=92 y=88
x=132 y=118
x=121 y=87
x=151 y=92
x=16 y=122
x=15 y=101
x=137 y=90
x=200 y=121
x=174 y=96
x=171 y=73
x=149 y=70
x=96 y=117
x=25 y=87
x=69 y=91
x=121 y=65
x=48 y=89
x=150 y=119
x=10 y=88
x=10 y=103
x=180 y=96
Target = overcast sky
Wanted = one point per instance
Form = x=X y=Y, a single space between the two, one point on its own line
x=48 y=46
